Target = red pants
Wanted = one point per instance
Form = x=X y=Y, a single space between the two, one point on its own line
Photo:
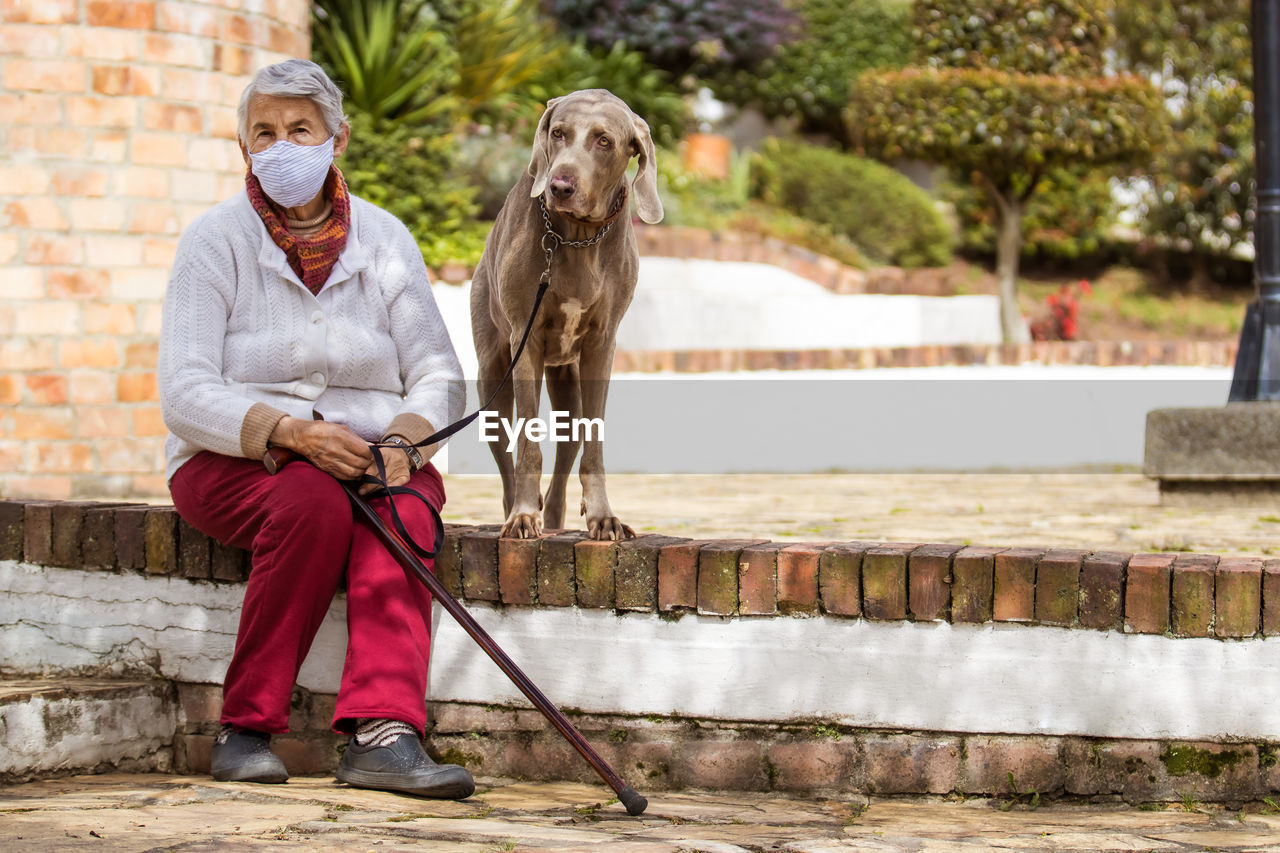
x=299 y=528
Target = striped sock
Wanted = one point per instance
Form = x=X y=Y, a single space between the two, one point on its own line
x=381 y=732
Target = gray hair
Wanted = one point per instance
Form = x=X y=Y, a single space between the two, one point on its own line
x=293 y=78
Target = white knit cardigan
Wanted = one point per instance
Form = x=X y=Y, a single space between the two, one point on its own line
x=244 y=343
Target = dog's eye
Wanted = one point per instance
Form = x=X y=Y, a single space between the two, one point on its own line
x=557 y=133
x=604 y=142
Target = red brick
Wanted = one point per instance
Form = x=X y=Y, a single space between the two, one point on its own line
x=718 y=578
x=636 y=580
x=929 y=582
x=1192 y=595
x=884 y=581
x=1015 y=585
x=480 y=564
x=195 y=553
x=448 y=563
x=37 y=532
x=809 y=764
x=67 y=524
x=1146 y=595
x=1058 y=587
x=758 y=580
x=798 y=579
x=229 y=563
x=121 y=14
x=595 y=565
x=734 y=765
x=1271 y=598
x=1237 y=598
x=678 y=576
x=973 y=584
x=1033 y=762
x=1102 y=590
x=556 y=569
x=840 y=578
x=199 y=704
x=518 y=570
x=161 y=540
x=912 y=764
x=131 y=541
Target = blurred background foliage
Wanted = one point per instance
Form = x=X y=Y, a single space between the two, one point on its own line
x=444 y=96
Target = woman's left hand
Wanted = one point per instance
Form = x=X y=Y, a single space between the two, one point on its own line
x=397 y=467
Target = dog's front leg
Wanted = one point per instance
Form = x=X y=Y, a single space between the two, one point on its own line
x=596 y=365
x=525 y=519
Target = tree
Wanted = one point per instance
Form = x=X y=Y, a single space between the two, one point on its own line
x=1009 y=91
x=1197 y=195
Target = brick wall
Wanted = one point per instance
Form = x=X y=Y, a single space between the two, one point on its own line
x=118 y=129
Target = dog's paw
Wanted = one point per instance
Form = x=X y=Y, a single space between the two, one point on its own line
x=522 y=525
x=609 y=528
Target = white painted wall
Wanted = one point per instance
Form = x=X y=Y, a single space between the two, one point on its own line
x=989 y=679
x=696 y=304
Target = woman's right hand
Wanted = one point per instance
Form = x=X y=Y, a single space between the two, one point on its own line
x=333 y=448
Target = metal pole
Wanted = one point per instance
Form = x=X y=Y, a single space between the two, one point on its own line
x=1257 y=370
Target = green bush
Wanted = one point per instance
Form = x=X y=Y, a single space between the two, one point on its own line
x=408 y=171
x=809 y=78
x=889 y=218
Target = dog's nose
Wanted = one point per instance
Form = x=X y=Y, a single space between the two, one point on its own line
x=562 y=187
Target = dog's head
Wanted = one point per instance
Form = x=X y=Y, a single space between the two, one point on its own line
x=584 y=143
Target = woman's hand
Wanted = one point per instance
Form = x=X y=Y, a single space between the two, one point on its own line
x=333 y=448
x=398 y=468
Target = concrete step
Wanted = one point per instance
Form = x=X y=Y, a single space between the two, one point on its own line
x=51 y=727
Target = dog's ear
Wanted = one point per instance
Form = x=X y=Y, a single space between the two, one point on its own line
x=540 y=159
x=645 y=186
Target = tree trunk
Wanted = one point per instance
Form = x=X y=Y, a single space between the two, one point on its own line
x=1008 y=248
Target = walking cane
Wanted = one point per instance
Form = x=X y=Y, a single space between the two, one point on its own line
x=633 y=801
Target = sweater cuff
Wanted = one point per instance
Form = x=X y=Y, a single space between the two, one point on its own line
x=258 y=424
x=412 y=427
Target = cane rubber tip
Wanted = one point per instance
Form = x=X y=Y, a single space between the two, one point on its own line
x=635 y=803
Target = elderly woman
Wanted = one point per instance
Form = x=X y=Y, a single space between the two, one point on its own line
x=300 y=316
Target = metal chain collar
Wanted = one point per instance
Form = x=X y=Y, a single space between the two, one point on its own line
x=552 y=240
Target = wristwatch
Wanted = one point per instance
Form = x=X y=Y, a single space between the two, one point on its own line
x=415 y=458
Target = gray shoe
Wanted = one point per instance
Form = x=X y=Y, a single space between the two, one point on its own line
x=403 y=766
x=241 y=755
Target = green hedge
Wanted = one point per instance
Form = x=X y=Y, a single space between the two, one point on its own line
x=889 y=218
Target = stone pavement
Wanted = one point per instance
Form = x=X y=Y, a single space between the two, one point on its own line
x=1093 y=510
x=157 y=812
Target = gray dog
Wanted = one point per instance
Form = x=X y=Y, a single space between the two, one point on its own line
x=576 y=183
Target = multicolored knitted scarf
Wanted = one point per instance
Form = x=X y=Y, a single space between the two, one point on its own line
x=312 y=258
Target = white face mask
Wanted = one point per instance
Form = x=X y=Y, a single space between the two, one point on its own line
x=291 y=174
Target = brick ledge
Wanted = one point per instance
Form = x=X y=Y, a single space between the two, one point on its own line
x=1176 y=595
